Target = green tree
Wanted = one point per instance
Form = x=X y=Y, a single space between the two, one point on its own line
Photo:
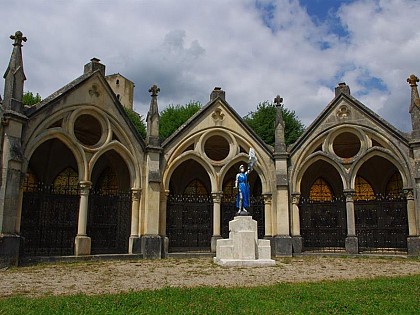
x=137 y=121
x=262 y=121
x=30 y=99
x=174 y=116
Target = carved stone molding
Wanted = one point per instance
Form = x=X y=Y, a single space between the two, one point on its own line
x=343 y=112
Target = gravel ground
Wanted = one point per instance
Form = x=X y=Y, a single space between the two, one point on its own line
x=113 y=276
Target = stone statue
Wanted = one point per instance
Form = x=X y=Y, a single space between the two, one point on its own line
x=242 y=185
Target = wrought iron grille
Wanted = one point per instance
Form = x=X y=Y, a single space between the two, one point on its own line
x=49 y=220
x=323 y=224
x=189 y=222
x=109 y=219
x=382 y=224
x=229 y=210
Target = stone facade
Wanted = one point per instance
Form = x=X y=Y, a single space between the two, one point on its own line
x=114 y=192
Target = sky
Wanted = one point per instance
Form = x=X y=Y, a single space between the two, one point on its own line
x=252 y=49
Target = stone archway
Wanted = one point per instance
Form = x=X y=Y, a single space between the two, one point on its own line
x=322 y=209
x=50 y=201
x=380 y=207
x=189 y=212
x=109 y=213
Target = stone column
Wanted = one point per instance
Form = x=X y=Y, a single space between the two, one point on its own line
x=82 y=241
x=162 y=222
x=297 y=241
x=268 y=222
x=352 y=243
x=413 y=240
x=217 y=199
x=134 y=246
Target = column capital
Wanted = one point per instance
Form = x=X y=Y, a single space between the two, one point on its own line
x=217 y=196
x=136 y=194
x=267 y=198
x=349 y=194
x=85 y=186
x=295 y=197
x=409 y=193
x=164 y=195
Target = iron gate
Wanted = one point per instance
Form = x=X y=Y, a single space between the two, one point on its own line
x=323 y=225
x=109 y=219
x=49 y=220
x=229 y=210
x=382 y=224
x=189 y=222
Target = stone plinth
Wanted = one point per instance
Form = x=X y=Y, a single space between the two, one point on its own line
x=243 y=248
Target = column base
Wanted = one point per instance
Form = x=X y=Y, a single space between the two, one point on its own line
x=413 y=245
x=297 y=244
x=352 y=245
x=283 y=245
x=214 y=239
x=151 y=246
x=165 y=246
x=9 y=250
x=82 y=245
x=134 y=245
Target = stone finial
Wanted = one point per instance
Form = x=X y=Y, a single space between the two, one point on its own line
x=279 y=139
x=217 y=92
x=18 y=38
x=278 y=100
x=412 y=80
x=154 y=90
x=342 y=88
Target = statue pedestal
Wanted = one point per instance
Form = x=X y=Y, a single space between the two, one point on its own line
x=243 y=248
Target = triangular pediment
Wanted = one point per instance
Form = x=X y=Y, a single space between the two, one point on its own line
x=90 y=89
x=346 y=110
x=215 y=114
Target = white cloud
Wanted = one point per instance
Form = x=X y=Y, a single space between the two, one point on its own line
x=254 y=52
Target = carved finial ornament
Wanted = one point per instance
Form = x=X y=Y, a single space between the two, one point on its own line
x=18 y=38
x=412 y=80
x=154 y=90
x=278 y=100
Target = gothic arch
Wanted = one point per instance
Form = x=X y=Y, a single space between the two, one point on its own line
x=385 y=154
x=308 y=162
x=125 y=155
x=60 y=136
x=184 y=157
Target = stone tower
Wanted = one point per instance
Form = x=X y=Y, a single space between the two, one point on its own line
x=12 y=122
x=282 y=241
x=151 y=242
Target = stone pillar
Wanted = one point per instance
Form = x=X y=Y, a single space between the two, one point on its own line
x=282 y=240
x=162 y=222
x=217 y=199
x=297 y=241
x=134 y=246
x=83 y=242
x=352 y=243
x=268 y=222
x=413 y=240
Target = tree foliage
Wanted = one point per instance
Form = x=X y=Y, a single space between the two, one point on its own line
x=30 y=99
x=262 y=121
x=174 y=116
x=137 y=121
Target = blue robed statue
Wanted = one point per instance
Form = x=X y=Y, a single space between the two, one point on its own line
x=242 y=184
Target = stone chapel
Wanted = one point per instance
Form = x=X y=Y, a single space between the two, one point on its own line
x=77 y=179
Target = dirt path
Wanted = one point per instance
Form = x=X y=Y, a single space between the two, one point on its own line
x=120 y=276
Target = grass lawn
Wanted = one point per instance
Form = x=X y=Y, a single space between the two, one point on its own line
x=399 y=295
